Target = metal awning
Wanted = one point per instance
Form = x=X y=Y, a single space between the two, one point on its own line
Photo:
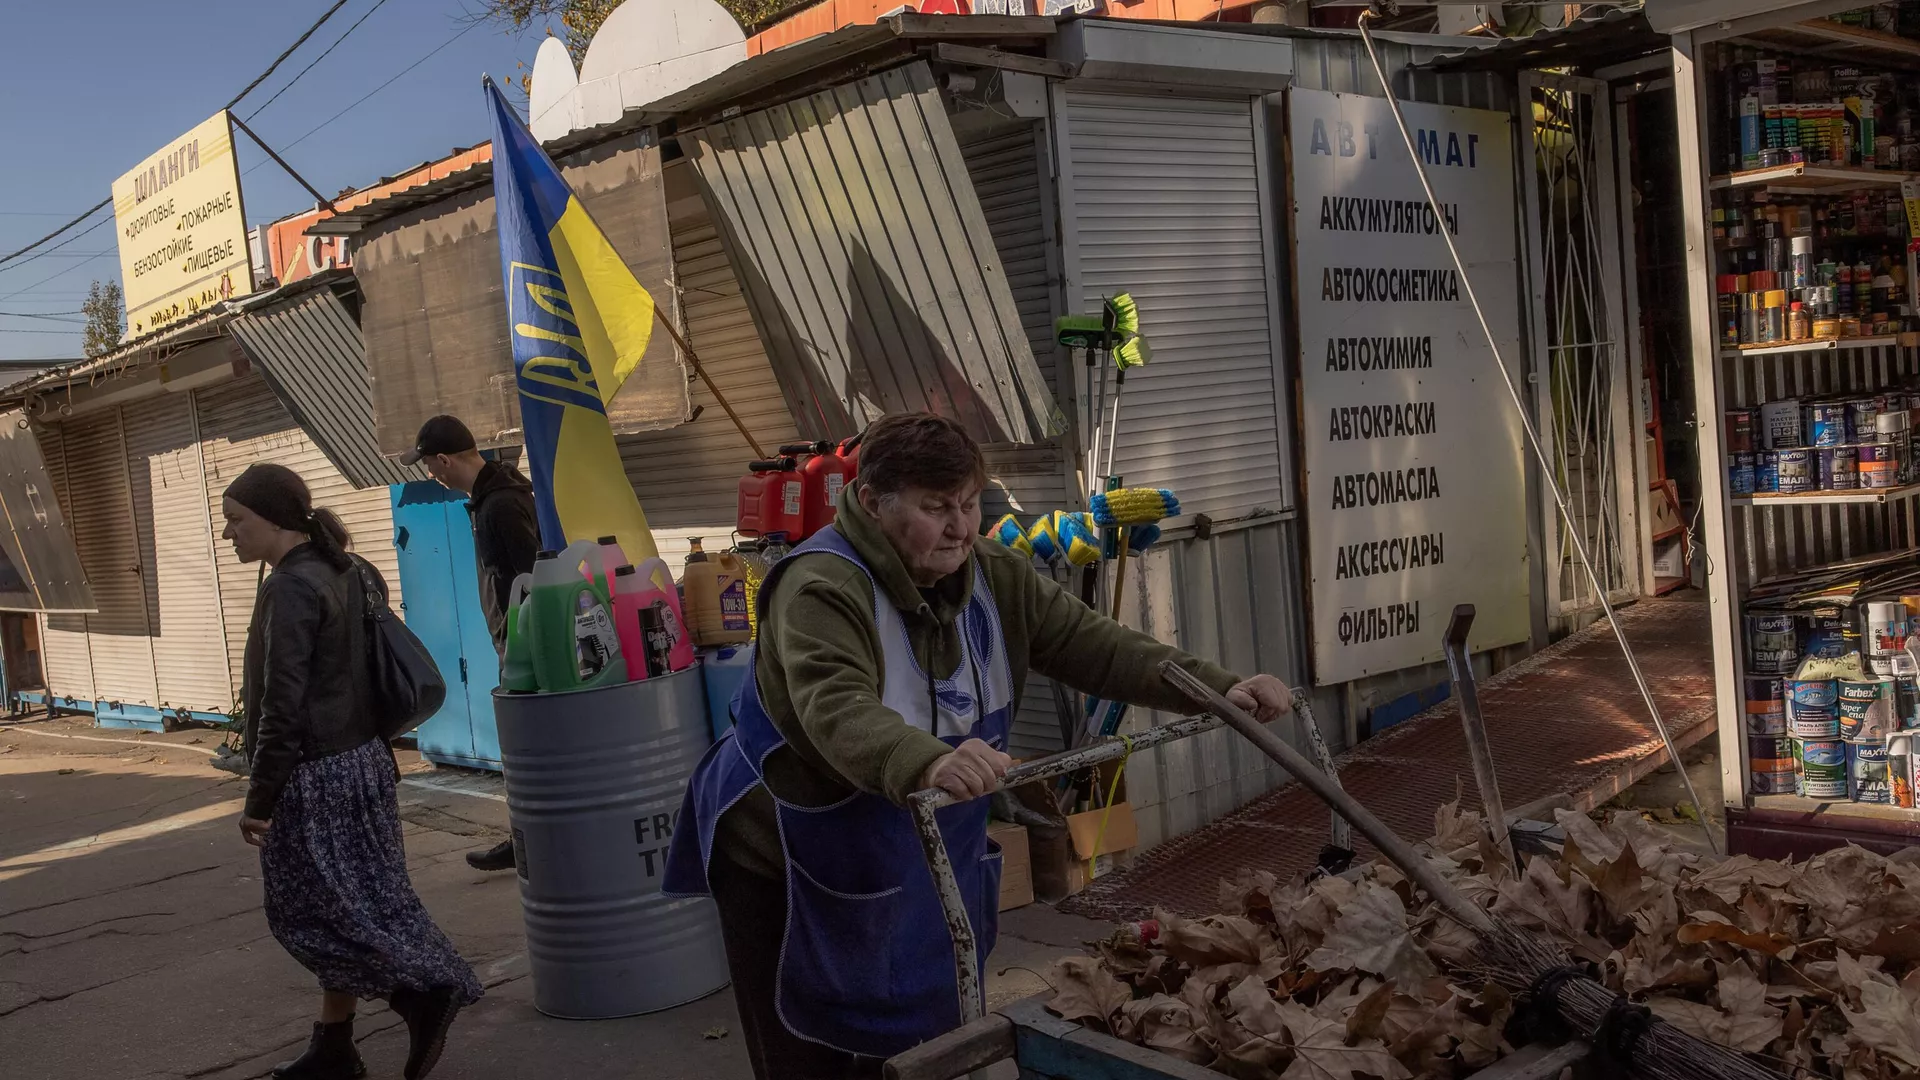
x=866 y=261
x=1612 y=36
x=309 y=349
x=39 y=566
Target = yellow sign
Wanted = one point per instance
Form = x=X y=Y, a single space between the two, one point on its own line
x=183 y=232
x=1910 y=193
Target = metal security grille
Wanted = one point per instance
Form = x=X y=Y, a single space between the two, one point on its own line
x=1579 y=361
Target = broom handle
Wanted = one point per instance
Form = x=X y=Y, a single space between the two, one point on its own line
x=694 y=359
x=1395 y=849
x=1120 y=574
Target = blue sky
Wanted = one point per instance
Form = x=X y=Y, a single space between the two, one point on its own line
x=94 y=87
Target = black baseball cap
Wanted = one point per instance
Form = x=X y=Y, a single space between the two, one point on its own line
x=439 y=435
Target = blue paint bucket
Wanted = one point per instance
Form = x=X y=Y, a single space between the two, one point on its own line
x=1827 y=424
x=1740 y=475
x=1773 y=644
x=1812 y=709
x=1839 y=467
x=1820 y=765
x=1766 y=472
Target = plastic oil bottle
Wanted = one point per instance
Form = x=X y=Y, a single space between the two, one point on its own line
x=516 y=668
x=574 y=644
x=716 y=588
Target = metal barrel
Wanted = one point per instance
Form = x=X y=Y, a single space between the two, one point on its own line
x=594 y=783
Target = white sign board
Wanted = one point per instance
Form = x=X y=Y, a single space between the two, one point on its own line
x=1415 y=489
x=183 y=232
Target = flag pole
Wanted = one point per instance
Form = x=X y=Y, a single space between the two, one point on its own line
x=694 y=358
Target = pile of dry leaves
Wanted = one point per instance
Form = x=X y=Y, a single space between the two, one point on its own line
x=1814 y=968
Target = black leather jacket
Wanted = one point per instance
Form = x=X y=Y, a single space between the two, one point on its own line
x=306 y=680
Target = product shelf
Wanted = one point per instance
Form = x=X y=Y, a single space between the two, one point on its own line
x=1832 y=40
x=1864 y=497
x=1800 y=804
x=1811 y=179
x=1879 y=341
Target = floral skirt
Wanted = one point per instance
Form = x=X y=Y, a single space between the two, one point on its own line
x=338 y=898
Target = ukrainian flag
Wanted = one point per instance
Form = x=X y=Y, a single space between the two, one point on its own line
x=579 y=323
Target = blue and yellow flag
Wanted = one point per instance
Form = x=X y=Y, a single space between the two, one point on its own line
x=579 y=323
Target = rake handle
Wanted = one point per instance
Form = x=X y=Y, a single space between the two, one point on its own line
x=1397 y=851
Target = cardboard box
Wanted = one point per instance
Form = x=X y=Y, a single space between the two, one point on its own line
x=1016 y=865
x=1122 y=832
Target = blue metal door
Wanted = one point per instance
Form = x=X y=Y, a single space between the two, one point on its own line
x=431 y=588
x=482 y=663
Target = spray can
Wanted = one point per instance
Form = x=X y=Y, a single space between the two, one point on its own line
x=1900 y=775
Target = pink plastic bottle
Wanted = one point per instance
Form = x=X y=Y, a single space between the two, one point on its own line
x=646 y=586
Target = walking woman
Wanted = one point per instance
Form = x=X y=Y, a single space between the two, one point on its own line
x=321 y=805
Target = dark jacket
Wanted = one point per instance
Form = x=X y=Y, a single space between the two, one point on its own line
x=306 y=682
x=506 y=536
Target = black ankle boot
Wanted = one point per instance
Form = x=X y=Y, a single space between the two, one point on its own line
x=330 y=1055
x=428 y=1013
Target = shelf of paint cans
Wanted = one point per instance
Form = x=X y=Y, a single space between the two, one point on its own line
x=1878 y=341
x=1832 y=40
x=1845 y=449
x=1802 y=177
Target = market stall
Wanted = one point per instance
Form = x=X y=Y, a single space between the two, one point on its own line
x=1799 y=132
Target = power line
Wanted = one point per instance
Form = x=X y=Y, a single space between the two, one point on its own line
x=34 y=330
x=317 y=59
x=54 y=248
x=278 y=60
x=363 y=98
x=108 y=201
x=51 y=316
x=53 y=277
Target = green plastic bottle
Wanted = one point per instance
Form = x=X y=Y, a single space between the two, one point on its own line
x=516 y=670
x=571 y=630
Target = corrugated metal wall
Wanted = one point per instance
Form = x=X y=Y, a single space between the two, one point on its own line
x=69 y=666
x=870 y=274
x=102 y=512
x=1341 y=65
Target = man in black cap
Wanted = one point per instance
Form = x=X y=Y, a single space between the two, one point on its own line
x=506 y=535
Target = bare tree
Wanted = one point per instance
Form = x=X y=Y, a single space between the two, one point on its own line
x=105 y=309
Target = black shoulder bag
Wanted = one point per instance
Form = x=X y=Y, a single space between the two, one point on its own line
x=406 y=685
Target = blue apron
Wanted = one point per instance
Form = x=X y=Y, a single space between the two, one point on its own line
x=866 y=966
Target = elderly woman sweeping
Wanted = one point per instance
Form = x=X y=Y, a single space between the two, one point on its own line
x=321 y=805
x=890 y=648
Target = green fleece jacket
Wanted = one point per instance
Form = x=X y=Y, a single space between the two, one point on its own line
x=819 y=671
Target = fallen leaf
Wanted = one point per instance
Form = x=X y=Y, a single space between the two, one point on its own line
x=714 y=1033
x=1752 y=1023
x=1083 y=990
x=1710 y=926
x=1165 y=1024
x=1452 y=829
x=1732 y=877
x=1320 y=1050
x=1365 y=1019
x=1597 y=846
x=1216 y=939
x=1372 y=936
x=1888 y=1022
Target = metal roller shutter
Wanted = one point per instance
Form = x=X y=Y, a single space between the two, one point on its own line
x=103 y=511
x=1005 y=164
x=242 y=423
x=1166 y=204
x=163 y=468
x=686 y=477
x=64 y=639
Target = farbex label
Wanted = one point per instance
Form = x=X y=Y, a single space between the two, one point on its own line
x=1415 y=489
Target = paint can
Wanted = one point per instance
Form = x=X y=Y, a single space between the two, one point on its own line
x=1867 y=771
x=1741 y=477
x=1773 y=644
x=1865 y=708
x=1839 y=468
x=1887 y=638
x=1766 y=706
x=1827 y=424
x=1900 y=775
x=1770 y=764
x=1796 y=472
x=1861 y=413
x=1906 y=701
x=1879 y=466
x=1820 y=767
x=1812 y=709
x=1781 y=425
x=1824 y=635
x=1766 y=472
x=1740 y=431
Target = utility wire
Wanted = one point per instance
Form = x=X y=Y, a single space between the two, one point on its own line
x=108 y=201
x=310 y=66
x=278 y=60
x=51 y=316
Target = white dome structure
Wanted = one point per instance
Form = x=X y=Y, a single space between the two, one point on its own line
x=645 y=51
